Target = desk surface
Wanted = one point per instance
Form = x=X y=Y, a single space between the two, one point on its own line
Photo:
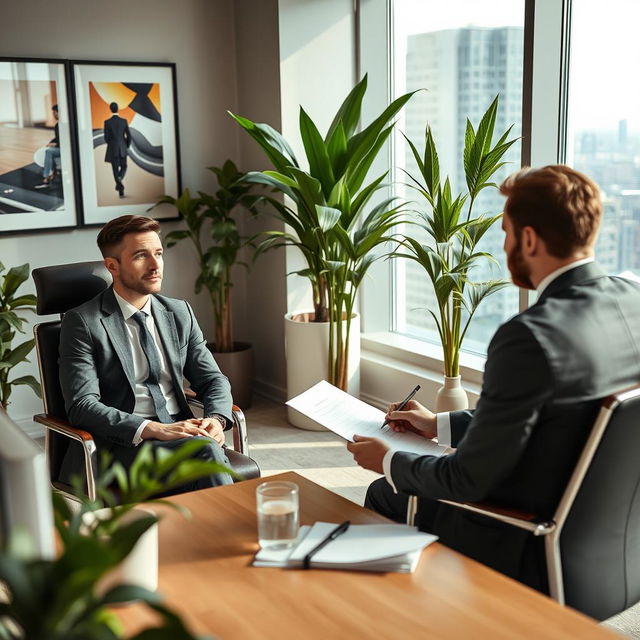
x=205 y=574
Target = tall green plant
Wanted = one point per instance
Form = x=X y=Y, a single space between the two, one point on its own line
x=210 y=215
x=329 y=221
x=10 y=322
x=453 y=250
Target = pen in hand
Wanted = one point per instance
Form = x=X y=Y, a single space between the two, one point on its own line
x=402 y=405
x=339 y=530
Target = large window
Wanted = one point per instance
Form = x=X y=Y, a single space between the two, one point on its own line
x=464 y=53
x=604 y=121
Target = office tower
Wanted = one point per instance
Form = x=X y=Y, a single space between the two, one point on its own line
x=462 y=71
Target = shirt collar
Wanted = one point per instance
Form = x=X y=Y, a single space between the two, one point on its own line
x=548 y=279
x=128 y=309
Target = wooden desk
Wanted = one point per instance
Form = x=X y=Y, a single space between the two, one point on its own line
x=205 y=574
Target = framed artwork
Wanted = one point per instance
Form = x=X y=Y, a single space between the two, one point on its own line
x=127 y=136
x=37 y=189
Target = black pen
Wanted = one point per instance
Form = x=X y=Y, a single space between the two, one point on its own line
x=402 y=404
x=339 y=530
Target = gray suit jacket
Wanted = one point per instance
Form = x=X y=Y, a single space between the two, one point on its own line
x=96 y=366
x=547 y=370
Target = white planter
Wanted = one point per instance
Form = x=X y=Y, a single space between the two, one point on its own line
x=451 y=396
x=306 y=348
x=140 y=567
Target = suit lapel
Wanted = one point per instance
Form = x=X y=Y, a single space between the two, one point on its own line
x=166 y=325
x=113 y=323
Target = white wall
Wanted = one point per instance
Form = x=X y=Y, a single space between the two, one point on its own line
x=198 y=35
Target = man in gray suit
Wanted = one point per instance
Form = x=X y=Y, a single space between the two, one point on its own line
x=546 y=371
x=124 y=354
x=118 y=139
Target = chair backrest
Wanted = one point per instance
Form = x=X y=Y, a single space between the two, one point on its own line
x=60 y=288
x=600 y=540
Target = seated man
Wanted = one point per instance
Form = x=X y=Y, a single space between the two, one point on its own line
x=51 y=153
x=124 y=353
x=546 y=371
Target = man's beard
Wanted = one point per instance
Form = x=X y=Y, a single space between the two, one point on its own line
x=520 y=271
x=142 y=286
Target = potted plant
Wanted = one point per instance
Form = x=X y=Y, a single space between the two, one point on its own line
x=69 y=598
x=214 y=234
x=10 y=322
x=453 y=249
x=337 y=232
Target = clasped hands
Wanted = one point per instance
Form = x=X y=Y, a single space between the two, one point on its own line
x=369 y=452
x=205 y=427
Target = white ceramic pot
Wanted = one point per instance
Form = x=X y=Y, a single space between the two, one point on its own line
x=451 y=396
x=306 y=348
x=140 y=567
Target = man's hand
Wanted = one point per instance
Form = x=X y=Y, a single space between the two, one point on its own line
x=368 y=452
x=213 y=427
x=413 y=417
x=174 y=431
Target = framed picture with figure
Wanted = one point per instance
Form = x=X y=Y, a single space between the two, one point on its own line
x=127 y=137
x=37 y=159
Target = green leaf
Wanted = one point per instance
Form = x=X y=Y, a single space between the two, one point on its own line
x=327 y=217
x=29 y=381
x=19 y=354
x=317 y=155
x=348 y=115
x=13 y=279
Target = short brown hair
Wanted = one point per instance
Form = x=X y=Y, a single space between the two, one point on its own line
x=112 y=233
x=562 y=205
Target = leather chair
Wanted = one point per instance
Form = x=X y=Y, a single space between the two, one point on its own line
x=60 y=288
x=592 y=542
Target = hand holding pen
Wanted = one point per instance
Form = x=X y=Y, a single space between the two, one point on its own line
x=402 y=405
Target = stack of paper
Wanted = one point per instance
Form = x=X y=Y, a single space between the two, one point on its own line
x=363 y=547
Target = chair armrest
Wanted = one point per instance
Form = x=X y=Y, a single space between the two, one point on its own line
x=84 y=438
x=520 y=519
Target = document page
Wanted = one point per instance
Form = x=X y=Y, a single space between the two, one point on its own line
x=347 y=416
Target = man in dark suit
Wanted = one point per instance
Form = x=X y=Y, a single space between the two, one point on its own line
x=546 y=371
x=124 y=354
x=118 y=139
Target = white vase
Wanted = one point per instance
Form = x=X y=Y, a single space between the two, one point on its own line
x=140 y=567
x=451 y=396
x=307 y=348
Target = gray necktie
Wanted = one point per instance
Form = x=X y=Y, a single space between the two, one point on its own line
x=153 y=358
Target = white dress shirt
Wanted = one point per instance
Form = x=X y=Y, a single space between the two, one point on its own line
x=144 y=402
x=443 y=423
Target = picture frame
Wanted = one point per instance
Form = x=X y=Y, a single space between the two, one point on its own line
x=38 y=190
x=127 y=138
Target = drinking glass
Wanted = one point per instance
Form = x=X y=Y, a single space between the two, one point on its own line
x=277 y=506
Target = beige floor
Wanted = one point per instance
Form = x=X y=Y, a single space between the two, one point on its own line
x=320 y=456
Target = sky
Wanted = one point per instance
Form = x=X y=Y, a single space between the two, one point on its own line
x=605 y=49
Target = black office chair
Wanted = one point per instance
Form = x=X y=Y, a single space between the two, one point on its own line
x=592 y=543
x=60 y=288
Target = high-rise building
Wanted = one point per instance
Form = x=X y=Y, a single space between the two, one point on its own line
x=462 y=71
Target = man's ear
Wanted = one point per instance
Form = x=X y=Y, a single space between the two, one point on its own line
x=112 y=265
x=529 y=241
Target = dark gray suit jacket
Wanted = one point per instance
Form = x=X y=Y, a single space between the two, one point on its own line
x=96 y=366
x=546 y=371
x=118 y=138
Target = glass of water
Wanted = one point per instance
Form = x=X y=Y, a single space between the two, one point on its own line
x=277 y=504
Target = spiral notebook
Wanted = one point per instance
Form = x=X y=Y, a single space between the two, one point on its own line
x=363 y=547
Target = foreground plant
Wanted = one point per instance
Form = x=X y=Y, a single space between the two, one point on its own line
x=57 y=599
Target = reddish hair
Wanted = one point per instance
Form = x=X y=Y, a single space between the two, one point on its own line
x=562 y=205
